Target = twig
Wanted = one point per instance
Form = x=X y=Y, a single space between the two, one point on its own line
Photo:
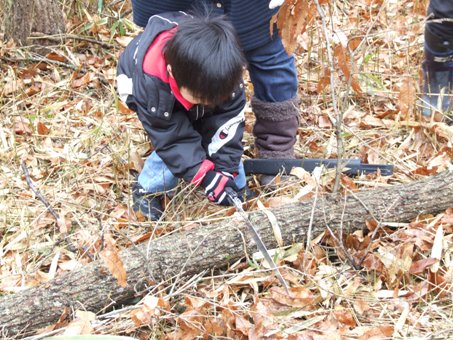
x=342 y=247
x=340 y=240
x=341 y=223
x=135 y=248
x=37 y=193
x=192 y=281
x=338 y=113
x=45 y=335
x=378 y=227
x=436 y=335
x=71 y=247
x=181 y=272
x=310 y=226
x=62 y=37
x=55 y=62
x=39 y=60
x=114 y=2
x=102 y=232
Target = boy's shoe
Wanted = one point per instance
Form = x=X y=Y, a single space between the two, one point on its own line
x=147 y=203
x=274 y=182
x=245 y=194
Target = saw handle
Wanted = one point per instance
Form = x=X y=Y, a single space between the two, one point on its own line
x=232 y=195
x=231 y=192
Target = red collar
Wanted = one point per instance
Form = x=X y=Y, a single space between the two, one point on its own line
x=154 y=64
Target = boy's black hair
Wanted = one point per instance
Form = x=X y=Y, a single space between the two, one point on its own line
x=206 y=58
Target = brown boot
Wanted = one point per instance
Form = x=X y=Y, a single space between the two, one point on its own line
x=275 y=130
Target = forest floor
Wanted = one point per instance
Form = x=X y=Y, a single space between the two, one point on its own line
x=69 y=151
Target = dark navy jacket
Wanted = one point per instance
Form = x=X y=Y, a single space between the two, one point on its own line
x=250 y=17
x=441 y=9
x=182 y=138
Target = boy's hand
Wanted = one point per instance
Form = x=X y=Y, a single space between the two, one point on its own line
x=214 y=184
x=275 y=3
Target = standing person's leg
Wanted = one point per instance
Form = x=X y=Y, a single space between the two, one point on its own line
x=153 y=181
x=438 y=63
x=275 y=102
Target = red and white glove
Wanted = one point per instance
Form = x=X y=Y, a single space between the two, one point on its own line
x=275 y=3
x=214 y=184
x=205 y=166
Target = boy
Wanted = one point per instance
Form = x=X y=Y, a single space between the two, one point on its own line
x=275 y=101
x=183 y=77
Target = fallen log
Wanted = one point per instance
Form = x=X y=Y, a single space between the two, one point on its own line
x=187 y=253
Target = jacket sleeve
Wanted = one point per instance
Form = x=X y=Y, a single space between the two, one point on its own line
x=176 y=142
x=173 y=136
x=225 y=129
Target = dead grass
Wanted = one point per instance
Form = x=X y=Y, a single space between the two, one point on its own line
x=82 y=149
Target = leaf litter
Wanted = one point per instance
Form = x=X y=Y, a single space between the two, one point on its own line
x=83 y=147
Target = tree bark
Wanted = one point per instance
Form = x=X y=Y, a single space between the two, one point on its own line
x=187 y=253
x=22 y=17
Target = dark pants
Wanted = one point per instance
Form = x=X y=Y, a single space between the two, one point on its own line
x=438 y=63
x=440 y=9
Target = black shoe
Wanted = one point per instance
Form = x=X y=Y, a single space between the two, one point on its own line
x=147 y=203
x=272 y=182
x=246 y=194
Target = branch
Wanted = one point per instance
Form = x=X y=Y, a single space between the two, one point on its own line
x=37 y=193
x=338 y=113
x=62 y=37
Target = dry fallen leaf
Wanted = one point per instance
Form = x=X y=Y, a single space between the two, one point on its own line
x=82 y=81
x=124 y=40
x=279 y=201
x=114 y=263
x=361 y=306
x=407 y=97
x=22 y=126
x=344 y=316
x=377 y=333
x=152 y=308
x=344 y=62
x=292 y=20
x=41 y=128
x=81 y=324
x=436 y=252
x=448 y=217
x=298 y=297
x=419 y=266
x=243 y=325
x=12 y=87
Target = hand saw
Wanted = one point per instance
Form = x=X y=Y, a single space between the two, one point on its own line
x=236 y=202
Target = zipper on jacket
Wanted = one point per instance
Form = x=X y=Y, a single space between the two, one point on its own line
x=202 y=113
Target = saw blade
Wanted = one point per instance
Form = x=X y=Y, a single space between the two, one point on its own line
x=236 y=202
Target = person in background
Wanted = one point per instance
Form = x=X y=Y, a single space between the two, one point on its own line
x=438 y=63
x=183 y=77
x=272 y=71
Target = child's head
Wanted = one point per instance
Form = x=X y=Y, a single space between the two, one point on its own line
x=205 y=58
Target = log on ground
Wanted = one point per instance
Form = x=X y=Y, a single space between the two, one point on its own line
x=214 y=246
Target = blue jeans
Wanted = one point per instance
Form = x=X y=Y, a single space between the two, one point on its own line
x=155 y=176
x=272 y=72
